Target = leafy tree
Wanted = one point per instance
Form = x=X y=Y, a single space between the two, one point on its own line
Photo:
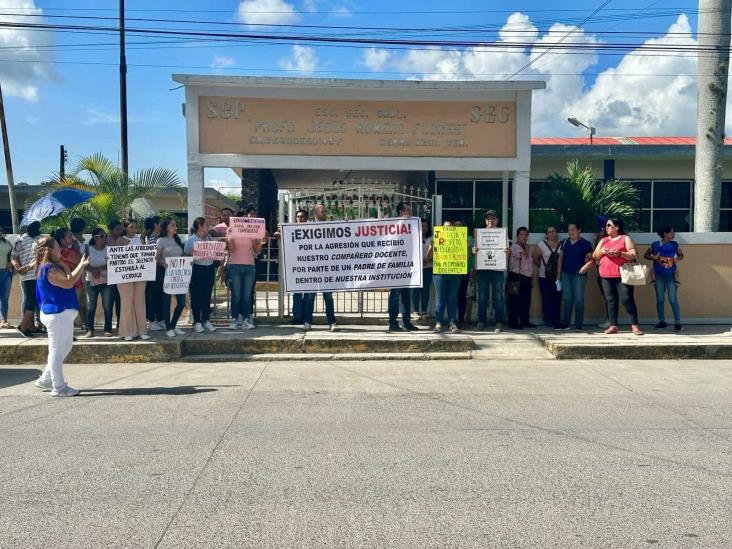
x=579 y=196
x=114 y=193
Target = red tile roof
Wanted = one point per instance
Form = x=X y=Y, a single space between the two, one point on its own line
x=618 y=141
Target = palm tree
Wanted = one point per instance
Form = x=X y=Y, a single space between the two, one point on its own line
x=580 y=197
x=114 y=192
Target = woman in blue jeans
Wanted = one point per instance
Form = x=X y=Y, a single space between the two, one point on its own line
x=665 y=254
x=447 y=287
x=96 y=283
x=574 y=262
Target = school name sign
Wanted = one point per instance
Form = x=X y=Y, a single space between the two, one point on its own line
x=343 y=256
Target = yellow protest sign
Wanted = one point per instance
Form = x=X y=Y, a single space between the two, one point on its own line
x=450 y=250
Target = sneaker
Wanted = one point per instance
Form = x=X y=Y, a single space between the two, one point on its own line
x=678 y=327
x=660 y=325
x=155 y=326
x=89 y=334
x=454 y=329
x=107 y=334
x=198 y=328
x=144 y=337
x=248 y=324
x=395 y=328
x=209 y=327
x=562 y=327
x=128 y=338
x=65 y=391
x=306 y=326
x=233 y=325
x=416 y=316
x=438 y=328
x=171 y=333
x=480 y=327
x=178 y=331
x=411 y=327
x=334 y=327
x=239 y=320
x=499 y=328
x=604 y=325
x=45 y=385
x=25 y=333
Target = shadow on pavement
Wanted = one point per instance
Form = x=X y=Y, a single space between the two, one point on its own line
x=17 y=376
x=151 y=391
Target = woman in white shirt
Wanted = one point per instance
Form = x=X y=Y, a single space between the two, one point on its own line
x=133 y=320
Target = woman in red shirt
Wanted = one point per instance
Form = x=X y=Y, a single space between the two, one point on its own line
x=613 y=251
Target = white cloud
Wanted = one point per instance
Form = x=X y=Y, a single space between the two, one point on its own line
x=98 y=116
x=27 y=56
x=375 y=58
x=266 y=12
x=222 y=62
x=643 y=94
x=301 y=59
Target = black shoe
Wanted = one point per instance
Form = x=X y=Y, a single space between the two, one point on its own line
x=562 y=327
x=529 y=325
x=395 y=328
x=26 y=333
x=579 y=329
x=411 y=327
x=660 y=325
x=516 y=326
x=678 y=327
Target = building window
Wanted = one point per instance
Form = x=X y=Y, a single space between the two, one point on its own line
x=664 y=203
x=725 y=208
x=467 y=200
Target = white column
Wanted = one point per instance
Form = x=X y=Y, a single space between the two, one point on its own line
x=504 y=202
x=196 y=202
x=520 y=200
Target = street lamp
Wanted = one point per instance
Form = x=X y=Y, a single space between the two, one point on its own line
x=576 y=123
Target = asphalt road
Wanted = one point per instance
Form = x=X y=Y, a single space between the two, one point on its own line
x=370 y=454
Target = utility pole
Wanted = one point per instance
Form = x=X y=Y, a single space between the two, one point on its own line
x=62 y=163
x=8 y=166
x=712 y=73
x=123 y=89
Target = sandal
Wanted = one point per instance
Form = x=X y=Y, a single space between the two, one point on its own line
x=636 y=330
x=611 y=330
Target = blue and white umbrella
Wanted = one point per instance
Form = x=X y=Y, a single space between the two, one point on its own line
x=53 y=204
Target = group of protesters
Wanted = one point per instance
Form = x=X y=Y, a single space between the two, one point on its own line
x=561 y=268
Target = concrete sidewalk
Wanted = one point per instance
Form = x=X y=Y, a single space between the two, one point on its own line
x=357 y=342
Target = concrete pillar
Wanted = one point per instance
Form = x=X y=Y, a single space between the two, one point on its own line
x=196 y=202
x=520 y=200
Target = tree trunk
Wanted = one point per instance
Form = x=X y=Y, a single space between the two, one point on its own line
x=712 y=73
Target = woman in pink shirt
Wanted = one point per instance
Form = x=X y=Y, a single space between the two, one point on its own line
x=241 y=276
x=613 y=251
x=520 y=274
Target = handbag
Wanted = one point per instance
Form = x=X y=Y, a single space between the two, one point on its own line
x=633 y=274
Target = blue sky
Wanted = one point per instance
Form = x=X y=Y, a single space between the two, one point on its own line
x=65 y=92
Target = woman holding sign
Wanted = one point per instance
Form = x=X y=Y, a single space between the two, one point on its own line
x=133 y=320
x=169 y=245
x=241 y=274
x=202 y=279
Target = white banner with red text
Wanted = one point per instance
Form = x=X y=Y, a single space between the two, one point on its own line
x=346 y=256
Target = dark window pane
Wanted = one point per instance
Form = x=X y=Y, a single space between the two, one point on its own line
x=671 y=194
x=489 y=195
x=725 y=221
x=537 y=189
x=726 y=194
x=644 y=192
x=456 y=194
x=679 y=220
x=644 y=221
x=466 y=216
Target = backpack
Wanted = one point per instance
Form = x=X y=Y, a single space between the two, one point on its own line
x=551 y=266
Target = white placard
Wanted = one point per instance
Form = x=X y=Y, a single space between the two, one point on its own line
x=178 y=272
x=131 y=264
x=247 y=227
x=209 y=250
x=491 y=244
x=342 y=256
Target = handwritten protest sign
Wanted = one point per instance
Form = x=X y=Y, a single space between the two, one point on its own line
x=338 y=256
x=178 y=273
x=247 y=227
x=209 y=250
x=130 y=264
x=450 y=250
x=491 y=244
